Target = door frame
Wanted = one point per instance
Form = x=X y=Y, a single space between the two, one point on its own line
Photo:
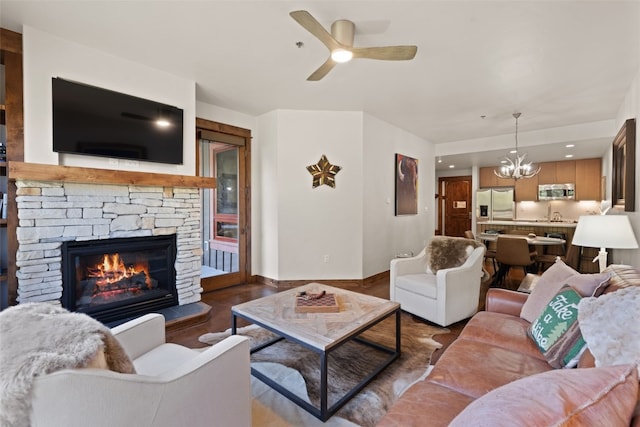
x=441 y=196
x=244 y=204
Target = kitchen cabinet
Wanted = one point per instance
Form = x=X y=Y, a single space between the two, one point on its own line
x=489 y=179
x=557 y=172
x=547 y=174
x=527 y=189
x=589 y=179
x=566 y=172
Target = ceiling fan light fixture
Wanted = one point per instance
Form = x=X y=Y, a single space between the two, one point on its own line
x=341 y=55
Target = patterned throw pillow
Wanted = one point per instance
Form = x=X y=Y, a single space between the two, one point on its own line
x=556 y=331
x=622 y=276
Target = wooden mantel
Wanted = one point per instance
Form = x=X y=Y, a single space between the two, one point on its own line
x=43 y=172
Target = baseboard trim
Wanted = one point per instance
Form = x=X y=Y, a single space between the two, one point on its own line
x=338 y=283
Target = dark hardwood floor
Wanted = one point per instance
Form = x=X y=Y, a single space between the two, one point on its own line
x=222 y=300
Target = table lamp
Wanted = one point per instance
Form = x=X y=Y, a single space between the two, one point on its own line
x=604 y=231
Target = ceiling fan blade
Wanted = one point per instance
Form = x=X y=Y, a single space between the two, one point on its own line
x=322 y=70
x=305 y=19
x=387 y=53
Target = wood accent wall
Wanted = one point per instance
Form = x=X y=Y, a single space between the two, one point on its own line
x=42 y=172
x=11 y=58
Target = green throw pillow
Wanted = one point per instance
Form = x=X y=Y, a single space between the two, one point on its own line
x=556 y=331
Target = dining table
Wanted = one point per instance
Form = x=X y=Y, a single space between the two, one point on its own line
x=532 y=240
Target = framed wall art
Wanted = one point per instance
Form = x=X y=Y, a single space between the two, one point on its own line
x=623 y=183
x=406 y=185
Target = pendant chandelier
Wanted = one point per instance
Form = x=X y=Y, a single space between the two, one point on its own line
x=516 y=168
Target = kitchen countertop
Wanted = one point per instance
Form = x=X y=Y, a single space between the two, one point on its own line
x=533 y=223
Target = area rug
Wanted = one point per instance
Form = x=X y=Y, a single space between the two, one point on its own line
x=348 y=364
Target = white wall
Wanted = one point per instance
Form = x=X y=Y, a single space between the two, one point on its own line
x=265 y=249
x=387 y=235
x=46 y=56
x=322 y=222
x=630 y=108
x=229 y=117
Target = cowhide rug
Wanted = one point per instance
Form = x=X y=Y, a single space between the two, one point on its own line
x=349 y=363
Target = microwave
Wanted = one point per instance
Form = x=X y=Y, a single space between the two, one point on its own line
x=556 y=192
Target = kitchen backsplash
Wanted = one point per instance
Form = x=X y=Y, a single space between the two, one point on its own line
x=566 y=209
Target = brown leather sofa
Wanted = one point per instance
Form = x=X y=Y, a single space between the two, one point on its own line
x=492 y=350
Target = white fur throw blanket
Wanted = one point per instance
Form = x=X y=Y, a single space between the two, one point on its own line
x=40 y=338
x=607 y=325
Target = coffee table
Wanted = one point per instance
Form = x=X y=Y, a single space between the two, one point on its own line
x=321 y=333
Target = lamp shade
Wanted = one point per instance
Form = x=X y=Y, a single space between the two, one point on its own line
x=604 y=231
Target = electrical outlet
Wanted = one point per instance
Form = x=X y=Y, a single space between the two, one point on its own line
x=325 y=259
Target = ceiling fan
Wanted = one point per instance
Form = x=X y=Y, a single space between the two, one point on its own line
x=340 y=44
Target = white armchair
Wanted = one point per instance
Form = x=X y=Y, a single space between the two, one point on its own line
x=173 y=385
x=450 y=295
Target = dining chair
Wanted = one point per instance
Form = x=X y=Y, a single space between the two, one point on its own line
x=490 y=252
x=513 y=252
x=571 y=258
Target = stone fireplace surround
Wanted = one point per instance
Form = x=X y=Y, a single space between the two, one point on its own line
x=54 y=210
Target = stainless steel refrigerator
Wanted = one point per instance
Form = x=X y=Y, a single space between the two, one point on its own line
x=495 y=204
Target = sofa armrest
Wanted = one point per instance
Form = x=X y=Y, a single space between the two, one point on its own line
x=140 y=335
x=505 y=301
x=402 y=266
x=412 y=265
x=213 y=389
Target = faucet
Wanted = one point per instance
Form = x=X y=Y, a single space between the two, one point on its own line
x=548 y=217
x=557 y=217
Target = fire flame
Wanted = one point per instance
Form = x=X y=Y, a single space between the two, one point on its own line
x=112 y=270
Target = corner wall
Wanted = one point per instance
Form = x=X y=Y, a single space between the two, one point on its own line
x=346 y=232
x=384 y=234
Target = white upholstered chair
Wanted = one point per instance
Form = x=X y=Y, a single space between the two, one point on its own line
x=173 y=385
x=450 y=295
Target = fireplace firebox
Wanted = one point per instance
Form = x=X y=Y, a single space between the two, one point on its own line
x=114 y=279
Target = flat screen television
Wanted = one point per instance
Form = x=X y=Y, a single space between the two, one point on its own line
x=98 y=122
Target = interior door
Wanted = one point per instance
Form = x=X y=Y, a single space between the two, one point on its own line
x=224 y=209
x=455 y=205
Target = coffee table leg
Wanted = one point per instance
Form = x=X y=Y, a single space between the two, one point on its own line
x=323 y=386
x=233 y=323
x=398 y=332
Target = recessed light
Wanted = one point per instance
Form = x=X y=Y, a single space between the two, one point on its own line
x=570 y=145
x=503 y=161
x=568 y=156
x=452 y=166
x=513 y=152
x=439 y=160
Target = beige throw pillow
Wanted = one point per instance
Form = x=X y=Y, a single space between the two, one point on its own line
x=547 y=287
x=552 y=280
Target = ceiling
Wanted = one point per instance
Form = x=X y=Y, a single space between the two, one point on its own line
x=560 y=63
